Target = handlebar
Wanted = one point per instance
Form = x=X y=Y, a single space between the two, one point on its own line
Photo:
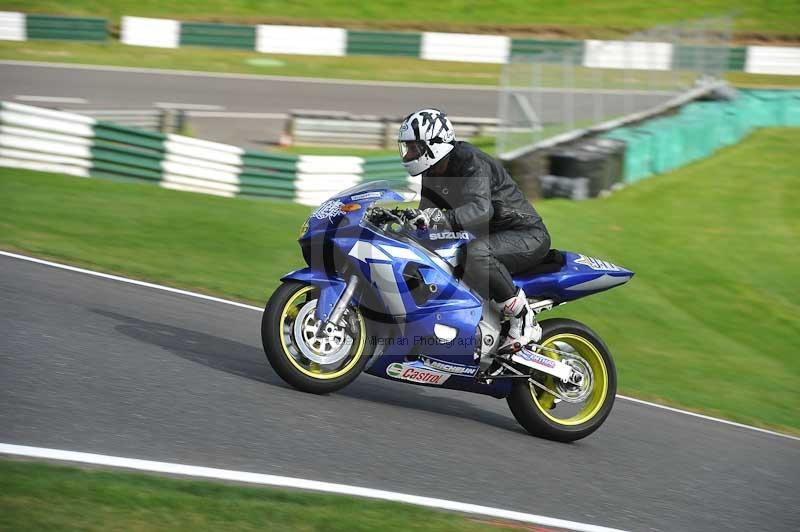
x=380 y=216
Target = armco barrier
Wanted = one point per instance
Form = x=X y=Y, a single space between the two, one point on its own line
x=218 y=35
x=477 y=48
x=267 y=174
x=12 y=26
x=307 y=40
x=538 y=46
x=127 y=153
x=465 y=47
x=19 y=27
x=383 y=43
x=773 y=60
x=66 y=28
x=45 y=140
x=337 y=128
x=55 y=141
x=628 y=54
x=152 y=119
x=156 y=32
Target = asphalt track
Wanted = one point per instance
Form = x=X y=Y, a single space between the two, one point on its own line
x=119 y=88
x=95 y=365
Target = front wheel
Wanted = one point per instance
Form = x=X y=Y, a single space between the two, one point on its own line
x=305 y=360
x=566 y=412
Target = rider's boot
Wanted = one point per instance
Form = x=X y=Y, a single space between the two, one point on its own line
x=523 y=327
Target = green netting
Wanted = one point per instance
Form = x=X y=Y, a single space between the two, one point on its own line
x=791 y=111
x=638 y=153
x=666 y=144
x=701 y=128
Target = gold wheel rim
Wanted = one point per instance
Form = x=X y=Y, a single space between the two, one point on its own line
x=320 y=374
x=597 y=396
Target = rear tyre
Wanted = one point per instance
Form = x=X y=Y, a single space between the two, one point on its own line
x=307 y=362
x=544 y=415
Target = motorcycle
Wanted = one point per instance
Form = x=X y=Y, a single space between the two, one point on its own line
x=381 y=297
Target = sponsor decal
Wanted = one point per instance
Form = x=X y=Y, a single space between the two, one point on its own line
x=537 y=359
x=416 y=374
x=449 y=367
x=394 y=370
x=330 y=210
x=366 y=195
x=449 y=235
x=597 y=264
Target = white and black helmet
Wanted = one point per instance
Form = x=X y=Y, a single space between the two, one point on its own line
x=426 y=137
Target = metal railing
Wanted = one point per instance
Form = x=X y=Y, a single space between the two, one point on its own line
x=546 y=94
x=331 y=128
x=162 y=120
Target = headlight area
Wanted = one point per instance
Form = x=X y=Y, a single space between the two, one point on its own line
x=322 y=254
x=303 y=229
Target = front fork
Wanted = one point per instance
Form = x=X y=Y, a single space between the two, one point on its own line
x=329 y=324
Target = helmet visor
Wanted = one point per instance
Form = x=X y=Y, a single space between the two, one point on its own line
x=411 y=150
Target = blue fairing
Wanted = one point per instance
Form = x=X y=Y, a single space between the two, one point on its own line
x=580 y=276
x=347 y=207
x=330 y=288
x=428 y=317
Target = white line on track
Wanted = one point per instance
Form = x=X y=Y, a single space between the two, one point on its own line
x=129 y=281
x=291 y=482
x=49 y=99
x=259 y=309
x=709 y=418
x=326 y=81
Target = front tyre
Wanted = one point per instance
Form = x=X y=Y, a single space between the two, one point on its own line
x=311 y=363
x=580 y=410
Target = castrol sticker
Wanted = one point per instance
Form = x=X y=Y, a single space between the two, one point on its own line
x=416 y=374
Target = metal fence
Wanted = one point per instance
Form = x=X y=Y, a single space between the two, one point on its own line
x=546 y=94
x=164 y=120
x=334 y=128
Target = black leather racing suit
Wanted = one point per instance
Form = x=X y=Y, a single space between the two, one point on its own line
x=477 y=195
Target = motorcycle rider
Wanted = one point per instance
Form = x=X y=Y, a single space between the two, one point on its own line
x=463 y=188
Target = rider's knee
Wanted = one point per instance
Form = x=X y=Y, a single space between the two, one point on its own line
x=479 y=251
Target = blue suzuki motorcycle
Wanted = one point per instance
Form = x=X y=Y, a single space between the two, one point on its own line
x=381 y=297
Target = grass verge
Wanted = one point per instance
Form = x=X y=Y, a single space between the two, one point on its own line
x=577 y=18
x=370 y=68
x=47 y=497
x=707 y=323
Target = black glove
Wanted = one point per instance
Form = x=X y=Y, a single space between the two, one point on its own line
x=432 y=219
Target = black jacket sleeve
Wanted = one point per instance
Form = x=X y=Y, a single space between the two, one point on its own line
x=424 y=201
x=476 y=210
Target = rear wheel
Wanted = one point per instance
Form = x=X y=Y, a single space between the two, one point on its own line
x=567 y=412
x=310 y=362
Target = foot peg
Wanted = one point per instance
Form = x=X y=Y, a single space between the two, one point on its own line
x=510 y=349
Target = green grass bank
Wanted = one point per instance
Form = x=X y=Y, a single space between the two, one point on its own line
x=47 y=497
x=707 y=324
x=575 y=18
